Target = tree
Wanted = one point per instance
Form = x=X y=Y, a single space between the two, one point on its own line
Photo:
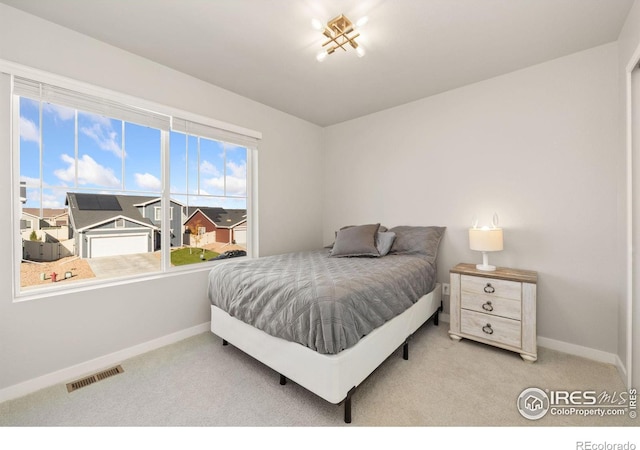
x=33 y=236
x=194 y=230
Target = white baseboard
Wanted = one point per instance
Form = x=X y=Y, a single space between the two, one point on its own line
x=576 y=350
x=622 y=371
x=94 y=365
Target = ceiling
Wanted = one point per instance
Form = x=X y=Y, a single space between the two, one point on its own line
x=266 y=50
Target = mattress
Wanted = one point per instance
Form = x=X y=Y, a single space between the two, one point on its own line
x=324 y=303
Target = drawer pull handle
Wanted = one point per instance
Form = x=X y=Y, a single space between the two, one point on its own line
x=487 y=329
x=487 y=306
x=489 y=289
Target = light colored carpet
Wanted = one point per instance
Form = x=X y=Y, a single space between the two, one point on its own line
x=200 y=383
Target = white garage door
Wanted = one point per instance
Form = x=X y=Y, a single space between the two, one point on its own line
x=240 y=236
x=118 y=245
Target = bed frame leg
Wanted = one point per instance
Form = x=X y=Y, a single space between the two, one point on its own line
x=405 y=350
x=283 y=380
x=436 y=315
x=347 y=405
x=224 y=342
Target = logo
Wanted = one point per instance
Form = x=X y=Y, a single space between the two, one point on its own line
x=533 y=403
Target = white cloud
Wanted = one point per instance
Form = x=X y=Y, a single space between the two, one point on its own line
x=237 y=170
x=61 y=112
x=53 y=201
x=29 y=130
x=89 y=172
x=236 y=180
x=30 y=181
x=103 y=134
x=209 y=169
x=33 y=197
x=148 y=182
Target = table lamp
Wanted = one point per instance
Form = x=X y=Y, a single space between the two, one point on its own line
x=486 y=239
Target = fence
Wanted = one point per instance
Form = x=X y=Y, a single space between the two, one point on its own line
x=47 y=251
x=203 y=239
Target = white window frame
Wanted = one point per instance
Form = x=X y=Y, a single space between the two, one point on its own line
x=157 y=213
x=227 y=132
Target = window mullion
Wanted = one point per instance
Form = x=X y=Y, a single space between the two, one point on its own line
x=224 y=168
x=76 y=150
x=122 y=153
x=41 y=187
x=198 y=168
x=165 y=225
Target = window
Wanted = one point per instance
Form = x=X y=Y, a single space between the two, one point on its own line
x=157 y=213
x=101 y=163
x=209 y=177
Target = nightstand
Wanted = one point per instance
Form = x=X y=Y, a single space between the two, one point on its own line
x=496 y=308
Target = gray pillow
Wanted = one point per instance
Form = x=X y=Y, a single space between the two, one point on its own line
x=356 y=241
x=384 y=241
x=421 y=240
x=382 y=229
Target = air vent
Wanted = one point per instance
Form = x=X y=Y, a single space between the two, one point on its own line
x=86 y=381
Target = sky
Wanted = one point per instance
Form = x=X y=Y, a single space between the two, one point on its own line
x=113 y=156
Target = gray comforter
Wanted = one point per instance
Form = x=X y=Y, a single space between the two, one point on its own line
x=324 y=303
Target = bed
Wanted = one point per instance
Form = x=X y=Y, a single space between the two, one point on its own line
x=327 y=318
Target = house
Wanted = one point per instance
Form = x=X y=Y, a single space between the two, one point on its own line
x=227 y=226
x=108 y=225
x=52 y=217
x=49 y=224
x=458 y=109
x=31 y=221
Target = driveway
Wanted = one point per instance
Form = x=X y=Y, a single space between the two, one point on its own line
x=121 y=266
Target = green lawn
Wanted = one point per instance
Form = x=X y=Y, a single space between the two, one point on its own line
x=184 y=256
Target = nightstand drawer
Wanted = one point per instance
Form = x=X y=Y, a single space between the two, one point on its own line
x=495 y=306
x=492 y=328
x=491 y=287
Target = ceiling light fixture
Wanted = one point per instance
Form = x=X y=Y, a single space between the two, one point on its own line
x=341 y=33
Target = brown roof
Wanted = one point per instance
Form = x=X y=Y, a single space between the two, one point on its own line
x=46 y=212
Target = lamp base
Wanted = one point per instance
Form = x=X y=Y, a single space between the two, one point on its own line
x=485 y=264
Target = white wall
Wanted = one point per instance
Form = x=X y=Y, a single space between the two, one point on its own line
x=540 y=146
x=628 y=45
x=42 y=336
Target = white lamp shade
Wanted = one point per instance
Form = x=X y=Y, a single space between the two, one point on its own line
x=485 y=239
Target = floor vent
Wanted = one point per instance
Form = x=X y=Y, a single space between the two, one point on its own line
x=86 y=381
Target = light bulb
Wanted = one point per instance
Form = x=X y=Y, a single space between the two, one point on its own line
x=494 y=222
x=360 y=51
x=321 y=56
x=316 y=24
x=362 y=21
